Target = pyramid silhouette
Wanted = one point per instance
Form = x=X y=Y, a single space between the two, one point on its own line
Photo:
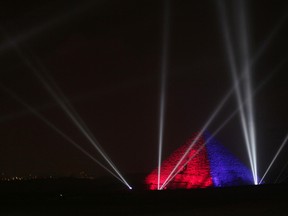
x=206 y=164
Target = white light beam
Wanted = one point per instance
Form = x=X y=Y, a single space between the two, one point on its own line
x=212 y=117
x=68 y=111
x=51 y=125
x=233 y=70
x=259 y=87
x=275 y=157
x=164 y=64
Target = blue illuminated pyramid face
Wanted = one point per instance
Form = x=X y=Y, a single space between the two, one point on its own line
x=225 y=168
x=209 y=164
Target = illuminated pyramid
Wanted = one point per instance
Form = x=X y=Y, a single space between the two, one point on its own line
x=205 y=165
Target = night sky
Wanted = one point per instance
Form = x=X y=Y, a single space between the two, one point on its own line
x=105 y=56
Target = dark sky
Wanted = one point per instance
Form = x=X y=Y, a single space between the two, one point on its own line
x=105 y=56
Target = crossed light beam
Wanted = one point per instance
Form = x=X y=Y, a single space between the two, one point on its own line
x=212 y=117
x=230 y=117
x=248 y=85
x=246 y=70
x=244 y=74
x=63 y=102
x=163 y=80
x=247 y=112
x=51 y=125
x=162 y=104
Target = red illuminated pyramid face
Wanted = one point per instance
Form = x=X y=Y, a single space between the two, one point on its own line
x=198 y=164
x=195 y=174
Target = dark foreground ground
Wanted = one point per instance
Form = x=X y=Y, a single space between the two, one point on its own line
x=83 y=197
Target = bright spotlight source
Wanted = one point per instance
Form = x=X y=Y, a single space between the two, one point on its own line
x=247 y=112
x=248 y=128
x=208 y=122
x=78 y=122
x=51 y=125
x=63 y=102
x=248 y=84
